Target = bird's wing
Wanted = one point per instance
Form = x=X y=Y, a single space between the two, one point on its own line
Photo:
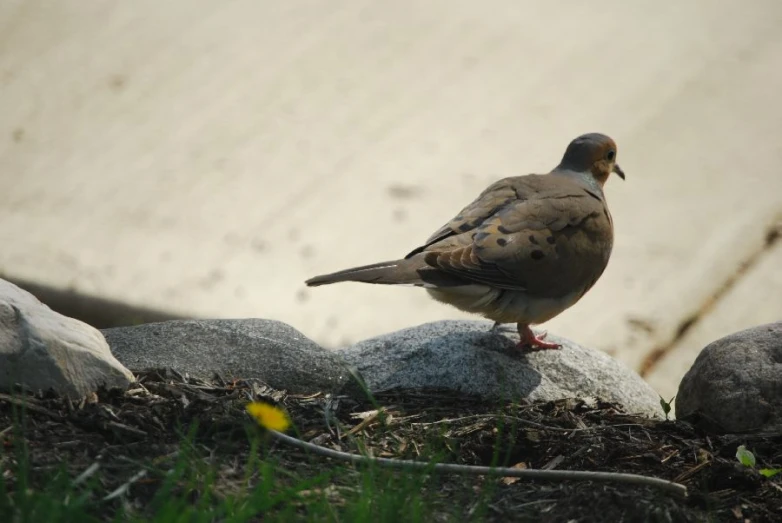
x=547 y=235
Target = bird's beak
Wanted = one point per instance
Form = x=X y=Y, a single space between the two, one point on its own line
x=618 y=170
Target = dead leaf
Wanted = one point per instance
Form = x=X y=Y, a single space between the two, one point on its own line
x=512 y=480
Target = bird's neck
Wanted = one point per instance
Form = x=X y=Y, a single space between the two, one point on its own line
x=586 y=178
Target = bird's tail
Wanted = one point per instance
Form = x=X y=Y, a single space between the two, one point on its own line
x=397 y=272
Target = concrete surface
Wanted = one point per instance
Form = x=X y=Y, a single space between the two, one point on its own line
x=204 y=158
x=755 y=299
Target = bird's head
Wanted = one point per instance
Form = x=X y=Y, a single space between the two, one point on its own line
x=594 y=153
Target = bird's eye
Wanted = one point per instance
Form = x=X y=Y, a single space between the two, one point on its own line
x=610 y=155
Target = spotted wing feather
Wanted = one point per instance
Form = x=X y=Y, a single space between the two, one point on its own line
x=551 y=237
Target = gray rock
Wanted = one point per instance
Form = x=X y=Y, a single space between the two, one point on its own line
x=271 y=351
x=466 y=357
x=735 y=384
x=44 y=350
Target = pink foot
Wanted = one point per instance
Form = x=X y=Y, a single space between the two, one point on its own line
x=531 y=342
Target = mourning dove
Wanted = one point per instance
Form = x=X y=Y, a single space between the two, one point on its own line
x=525 y=250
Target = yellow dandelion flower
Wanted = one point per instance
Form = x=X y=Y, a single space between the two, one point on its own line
x=269 y=416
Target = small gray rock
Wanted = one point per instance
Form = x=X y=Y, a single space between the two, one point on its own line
x=735 y=384
x=271 y=351
x=43 y=350
x=467 y=357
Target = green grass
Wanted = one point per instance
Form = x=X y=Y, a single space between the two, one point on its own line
x=185 y=495
x=185 y=488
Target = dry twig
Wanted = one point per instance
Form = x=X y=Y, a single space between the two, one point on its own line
x=545 y=475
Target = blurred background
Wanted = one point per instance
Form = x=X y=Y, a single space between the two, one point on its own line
x=191 y=158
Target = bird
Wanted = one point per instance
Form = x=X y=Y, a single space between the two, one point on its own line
x=525 y=250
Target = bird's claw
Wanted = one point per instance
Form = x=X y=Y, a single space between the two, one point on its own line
x=531 y=342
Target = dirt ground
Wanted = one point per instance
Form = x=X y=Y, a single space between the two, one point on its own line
x=143 y=429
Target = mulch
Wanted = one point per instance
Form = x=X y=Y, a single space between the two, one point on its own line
x=136 y=436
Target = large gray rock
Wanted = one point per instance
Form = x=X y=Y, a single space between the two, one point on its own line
x=735 y=384
x=466 y=357
x=42 y=350
x=271 y=351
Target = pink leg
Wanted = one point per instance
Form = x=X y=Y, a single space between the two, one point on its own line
x=531 y=342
